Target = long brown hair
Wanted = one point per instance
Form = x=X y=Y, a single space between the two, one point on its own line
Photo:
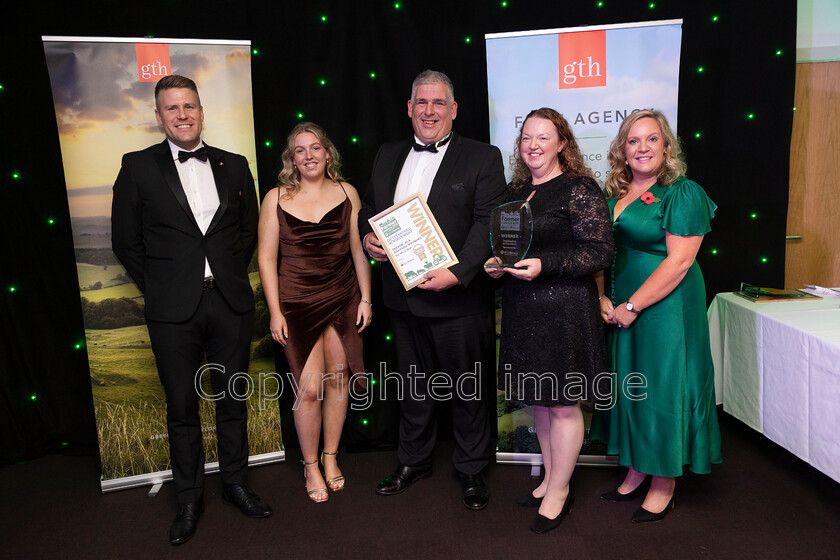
x=290 y=176
x=620 y=175
x=571 y=160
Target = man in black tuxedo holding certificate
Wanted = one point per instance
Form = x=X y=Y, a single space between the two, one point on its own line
x=447 y=323
x=184 y=225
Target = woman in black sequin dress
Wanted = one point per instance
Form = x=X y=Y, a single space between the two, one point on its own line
x=552 y=341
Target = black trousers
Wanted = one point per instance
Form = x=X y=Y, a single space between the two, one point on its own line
x=224 y=336
x=441 y=359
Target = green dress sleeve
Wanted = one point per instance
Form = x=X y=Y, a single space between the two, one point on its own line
x=686 y=209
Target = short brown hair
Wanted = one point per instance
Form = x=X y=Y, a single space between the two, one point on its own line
x=175 y=81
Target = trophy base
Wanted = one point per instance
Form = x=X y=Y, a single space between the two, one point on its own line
x=505 y=266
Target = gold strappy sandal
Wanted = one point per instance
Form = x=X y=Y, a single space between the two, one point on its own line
x=313 y=494
x=336 y=483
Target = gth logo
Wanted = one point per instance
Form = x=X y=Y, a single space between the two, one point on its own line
x=583 y=59
x=152 y=61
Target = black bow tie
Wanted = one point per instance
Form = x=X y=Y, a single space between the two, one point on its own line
x=200 y=153
x=433 y=147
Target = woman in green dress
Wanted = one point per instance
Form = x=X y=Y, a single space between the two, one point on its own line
x=664 y=416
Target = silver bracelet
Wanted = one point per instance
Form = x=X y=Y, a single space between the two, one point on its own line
x=367 y=302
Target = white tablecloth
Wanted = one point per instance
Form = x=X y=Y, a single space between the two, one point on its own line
x=777 y=369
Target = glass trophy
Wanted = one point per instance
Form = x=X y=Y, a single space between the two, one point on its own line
x=511 y=228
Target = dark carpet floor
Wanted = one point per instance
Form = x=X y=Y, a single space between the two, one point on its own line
x=761 y=503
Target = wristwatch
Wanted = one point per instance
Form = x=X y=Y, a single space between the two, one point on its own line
x=630 y=307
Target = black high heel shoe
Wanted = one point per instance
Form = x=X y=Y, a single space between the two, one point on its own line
x=543 y=524
x=644 y=516
x=529 y=500
x=616 y=496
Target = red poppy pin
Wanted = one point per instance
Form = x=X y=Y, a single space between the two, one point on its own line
x=648 y=198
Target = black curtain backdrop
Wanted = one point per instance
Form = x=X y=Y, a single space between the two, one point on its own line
x=747 y=54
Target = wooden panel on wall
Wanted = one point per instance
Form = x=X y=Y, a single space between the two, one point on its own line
x=814 y=204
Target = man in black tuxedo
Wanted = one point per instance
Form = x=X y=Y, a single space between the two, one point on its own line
x=445 y=324
x=184 y=225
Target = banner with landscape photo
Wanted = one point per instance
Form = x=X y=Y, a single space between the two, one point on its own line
x=103 y=89
x=595 y=76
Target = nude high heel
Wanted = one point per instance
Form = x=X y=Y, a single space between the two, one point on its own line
x=316 y=494
x=336 y=483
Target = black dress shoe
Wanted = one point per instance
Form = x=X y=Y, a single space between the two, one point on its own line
x=616 y=496
x=644 y=516
x=476 y=493
x=401 y=479
x=529 y=500
x=247 y=501
x=186 y=521
x=543 y=524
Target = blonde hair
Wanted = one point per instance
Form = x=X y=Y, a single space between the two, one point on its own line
x=620 y=175
x=571 y=160
x=290 y=176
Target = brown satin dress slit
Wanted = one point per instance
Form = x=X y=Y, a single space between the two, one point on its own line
x=318 y=285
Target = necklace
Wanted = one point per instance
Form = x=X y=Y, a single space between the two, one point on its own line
x=313 y=197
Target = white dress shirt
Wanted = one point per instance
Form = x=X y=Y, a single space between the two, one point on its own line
x=200 y=187
x=418 y=172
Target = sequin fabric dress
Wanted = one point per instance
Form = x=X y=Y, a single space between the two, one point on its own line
x=318 y=285
x=552 y=338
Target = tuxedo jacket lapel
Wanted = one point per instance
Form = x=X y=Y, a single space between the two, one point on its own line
x=450 y=158
x=220 y=175
x=173 y=181
x=395 y=172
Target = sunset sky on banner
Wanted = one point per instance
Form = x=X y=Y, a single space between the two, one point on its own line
x=103 y=110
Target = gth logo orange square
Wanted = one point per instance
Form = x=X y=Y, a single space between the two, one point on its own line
x=583 y=59
x=152 y=61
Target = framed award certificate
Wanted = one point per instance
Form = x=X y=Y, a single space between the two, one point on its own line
x=412 y=239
